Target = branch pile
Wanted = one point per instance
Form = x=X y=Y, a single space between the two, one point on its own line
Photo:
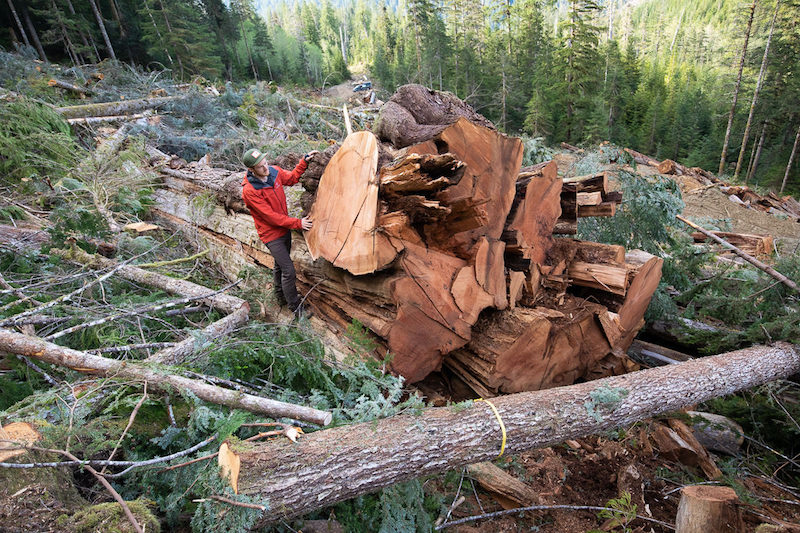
x=431 y=235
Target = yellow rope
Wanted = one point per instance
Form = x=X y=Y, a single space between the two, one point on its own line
x=500 y=421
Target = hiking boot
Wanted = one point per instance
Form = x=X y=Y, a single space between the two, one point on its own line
x=279 y=299
x=302 y=313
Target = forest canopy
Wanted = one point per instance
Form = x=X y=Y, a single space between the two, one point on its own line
x=658 y=77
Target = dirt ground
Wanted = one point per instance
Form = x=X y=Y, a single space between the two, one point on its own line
x=594 y=470
x=709 y=202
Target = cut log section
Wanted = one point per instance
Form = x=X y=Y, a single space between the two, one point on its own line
x=759 y=246
x=706 y=509
x=345 y=213
x=509 y=491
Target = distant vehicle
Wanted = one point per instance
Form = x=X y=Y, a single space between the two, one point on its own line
x=366 y=86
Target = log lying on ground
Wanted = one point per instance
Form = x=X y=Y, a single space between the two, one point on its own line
x=237 y=310
x=750 y=259
x=84 y=91
x=759 y=246
x=443 y=230
x=334 y=465
x=116 y=108
x=34 y=347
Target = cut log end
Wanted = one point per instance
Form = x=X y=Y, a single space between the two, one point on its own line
x=229 y=464
x=704 y=509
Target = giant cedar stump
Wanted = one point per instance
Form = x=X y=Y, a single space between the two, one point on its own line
x=426 y=232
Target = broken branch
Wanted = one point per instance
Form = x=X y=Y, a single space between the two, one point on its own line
x=18 y=343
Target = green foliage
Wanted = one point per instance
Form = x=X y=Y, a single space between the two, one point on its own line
x=36 y=143
x=754 y=308
x=621 y=512
x=18 y=383
x=536 y=151
x=648 y=209
x=402 y=508
x=293 y=367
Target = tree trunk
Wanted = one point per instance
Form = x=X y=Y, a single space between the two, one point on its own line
x=102 y=26
x=329 y=466
x=18 y=22
x=791 y=160
x=752 y=172
x=169 y=30
x=247 y=48
x=48 y=352
x=115 y=108
x=736 y=89
x=32 y=31
x=158 y=32
x=704 y=509
x=761 y=75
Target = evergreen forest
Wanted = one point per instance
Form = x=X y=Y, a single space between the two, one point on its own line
x=142 y=344
x=658 y=77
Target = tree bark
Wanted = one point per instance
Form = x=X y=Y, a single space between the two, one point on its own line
x=791 y=160
x=752 y=172
x=736 y=89
x=34 y=347
x=115 y=108
x=334 y=465
x=104 y=33
x=32 y=31
x=18 y=22
x=761 y=75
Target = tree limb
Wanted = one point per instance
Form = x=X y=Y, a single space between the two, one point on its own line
x=20 y=344
x=747 y=257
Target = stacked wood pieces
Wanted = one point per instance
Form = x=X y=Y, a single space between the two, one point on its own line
x=445 y=251
x=586 y=196
x=759 y=246
x=771 y=203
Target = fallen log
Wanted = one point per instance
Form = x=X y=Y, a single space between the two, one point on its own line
x=750 y=259
x=329 y=466
x=105 y=119
x=759 y=246
x=237 y=310
x=36 y=348
x=509 y=491
x=116 y=108
x=84 y=91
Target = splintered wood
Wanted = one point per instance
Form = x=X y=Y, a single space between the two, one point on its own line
x=434 y=238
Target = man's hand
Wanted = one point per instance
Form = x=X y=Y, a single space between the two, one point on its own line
x=310 y=154
x=307 y=223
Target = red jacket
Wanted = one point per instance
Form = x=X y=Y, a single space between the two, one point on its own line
x=267 y=204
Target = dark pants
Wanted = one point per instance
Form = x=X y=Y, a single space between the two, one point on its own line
x=284 y=273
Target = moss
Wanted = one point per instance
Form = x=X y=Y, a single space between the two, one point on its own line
x=110 y=518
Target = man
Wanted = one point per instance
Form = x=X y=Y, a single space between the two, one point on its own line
x=262 y=192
